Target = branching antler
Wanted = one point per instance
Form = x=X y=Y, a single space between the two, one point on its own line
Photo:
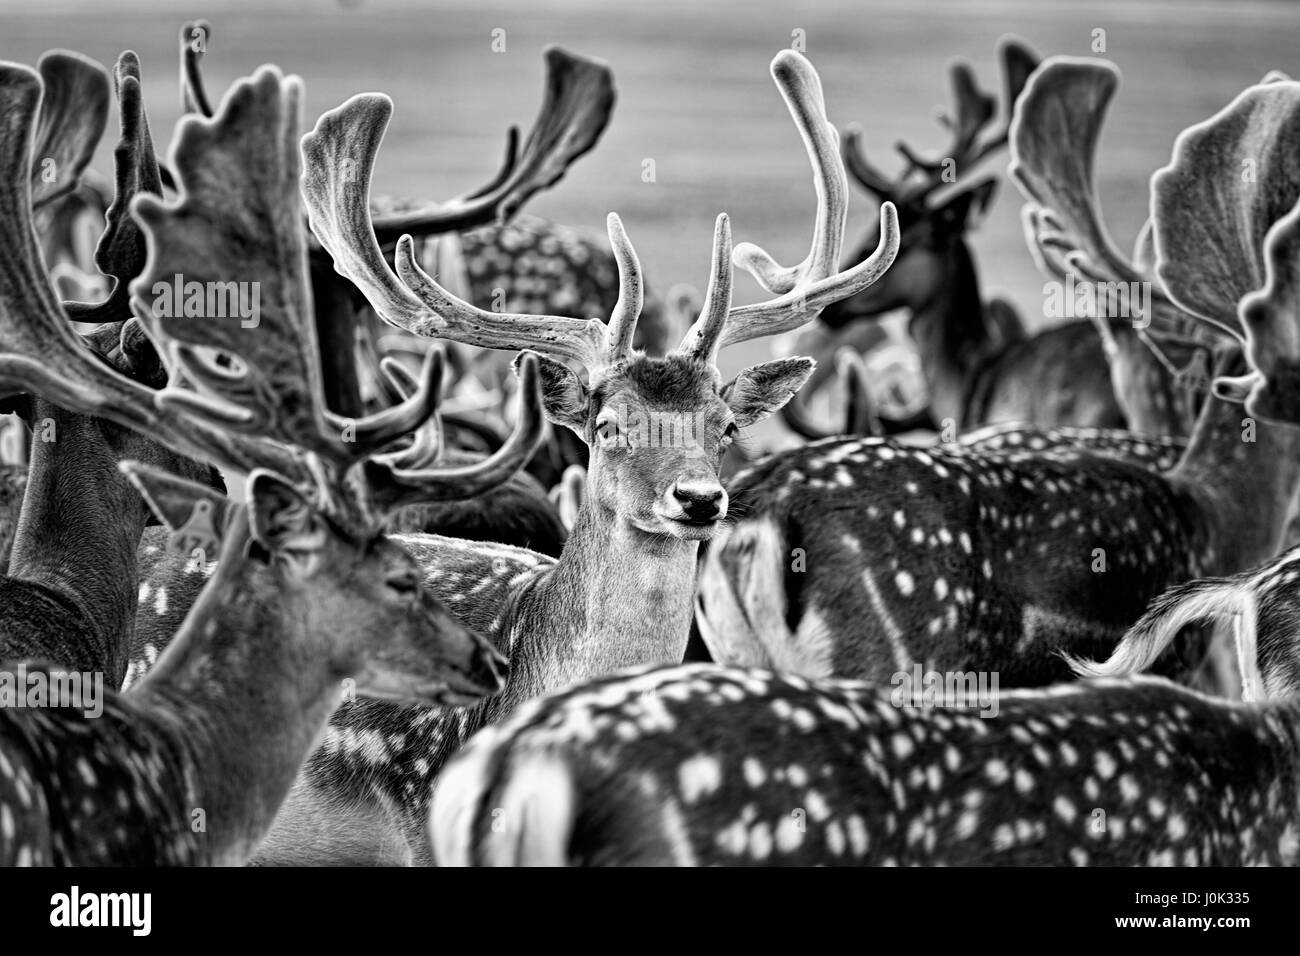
x=971 y=140
x=339 y=157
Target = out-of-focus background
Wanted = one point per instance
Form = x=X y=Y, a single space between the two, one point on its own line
x=694 y=95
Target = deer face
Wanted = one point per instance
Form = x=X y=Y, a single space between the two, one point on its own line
x=362 y=600
x=657 y=428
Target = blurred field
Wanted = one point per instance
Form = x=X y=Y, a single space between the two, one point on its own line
x=694 y=95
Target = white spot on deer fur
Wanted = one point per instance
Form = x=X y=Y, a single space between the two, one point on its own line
x=1003 y=837
x=1024 y=780
x=1128 y=788
x=160 y=602
x=902 y=745
x=817 y=807
x=906 y=585
x=698 y=776
x=1064 y=809
x=964 y=540
x=997 y=771
x=788 y=834
x=760 y=841
x=900 y=519
x=1105 y=764
x=753 y=770
x=940 y=588
x=1178 y=827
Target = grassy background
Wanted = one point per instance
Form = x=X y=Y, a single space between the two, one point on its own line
x=694 y=95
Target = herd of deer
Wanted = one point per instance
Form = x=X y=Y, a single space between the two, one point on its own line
x=505 y=628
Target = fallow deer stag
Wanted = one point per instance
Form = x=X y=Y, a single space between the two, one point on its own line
x=308 y=591
x=633 y=769
x=71 y=586
x=978 y=362
x=856 y=558
x=620 y=593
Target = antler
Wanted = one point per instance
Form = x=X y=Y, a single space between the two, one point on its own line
x=804 y=290
x=240 y=218
x=575 y=110
x=1054 y=135
x=73 y=115
x=40 y=353
x=1227 y=237
x=121 y=251
x=339 y=156
x=194 y=38
x=973 y=113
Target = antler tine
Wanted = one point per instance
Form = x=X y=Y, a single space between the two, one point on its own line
x=804 y=290
x=39 y=352
x=338 y=157
x=704 y=338
x=862 y=169
x=74 y=112
x=194 y=37
x=575 y=110
x=427 y=441
x=631 y=294
x=392 y=486
x=240 y=216
x=121 y=251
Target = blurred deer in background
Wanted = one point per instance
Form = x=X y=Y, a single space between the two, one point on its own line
x=857 y=558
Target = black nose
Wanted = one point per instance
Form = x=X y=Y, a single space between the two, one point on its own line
x=699 y=502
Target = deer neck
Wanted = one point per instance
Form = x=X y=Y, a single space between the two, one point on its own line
x=242 y=693
x=1245 y=474
x=79 y=528
x=951 y=336
x=618 y=597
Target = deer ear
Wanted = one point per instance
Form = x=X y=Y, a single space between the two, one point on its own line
x=564 y=397
x=179 y=503
x=760 y=390
x=283 y=521
x=965 y=209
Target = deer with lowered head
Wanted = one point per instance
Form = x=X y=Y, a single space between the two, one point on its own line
x=310 y=600
x=857 y=558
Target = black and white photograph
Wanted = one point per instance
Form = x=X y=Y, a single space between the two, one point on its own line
x=555 y=433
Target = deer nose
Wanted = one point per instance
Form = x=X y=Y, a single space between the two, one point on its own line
x=700 y=500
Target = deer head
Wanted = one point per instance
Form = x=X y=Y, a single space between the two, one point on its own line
x=662 y=480
x=252 y=398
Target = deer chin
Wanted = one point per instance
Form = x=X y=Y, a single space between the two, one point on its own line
x=679 y=526
x=454 y=690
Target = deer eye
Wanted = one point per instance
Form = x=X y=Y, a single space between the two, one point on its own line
x=405 y=584
x=728 y=435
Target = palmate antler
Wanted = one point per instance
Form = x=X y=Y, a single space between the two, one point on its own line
x=337 y=200
x=1054 y=136
x=240 y=217
x=1226 y=214
x=577 y=103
